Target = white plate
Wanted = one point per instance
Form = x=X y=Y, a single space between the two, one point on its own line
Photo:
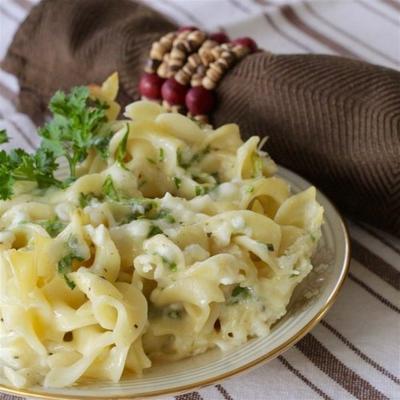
x=310 y=302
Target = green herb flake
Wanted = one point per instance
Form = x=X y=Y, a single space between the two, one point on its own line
x=173 y=267
x=313 y=238
x=146 y=204
x=200 y=155
x=53 y=226
x=170 y=219
x=165 y=214
x=3 y=136
x=177 y=181
x=180 y=160
x=65 y=264
x=170 y=264
x=120 y=153
x=161 y=156
x=202 y=190
x=65 y=267
x=154 y=230
x=174 y=314
x=101 y=146
x=109 y=189
x=85 y=199
x=128 y=219
x=197 y=157
x=239 y=293
x=199 y=190
x=151 y=161
x=249 y=189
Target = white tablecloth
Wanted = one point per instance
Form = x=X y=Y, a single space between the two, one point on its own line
x=354 y=352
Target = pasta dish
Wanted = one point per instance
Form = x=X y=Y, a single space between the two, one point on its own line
x=164 y=239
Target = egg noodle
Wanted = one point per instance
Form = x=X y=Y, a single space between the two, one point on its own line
x=180 y=241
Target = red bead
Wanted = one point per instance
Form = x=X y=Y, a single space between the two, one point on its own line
x=150 y=86
x=220 y=37
x=248 y=42
x=199 y=100
x=187 y=28
x=173 y=92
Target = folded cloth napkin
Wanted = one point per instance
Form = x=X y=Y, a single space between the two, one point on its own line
x=333 y=120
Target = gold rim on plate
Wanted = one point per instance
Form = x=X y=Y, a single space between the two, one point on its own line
x=245 y=368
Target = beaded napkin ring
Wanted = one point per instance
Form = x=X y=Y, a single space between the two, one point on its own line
x=184 y=68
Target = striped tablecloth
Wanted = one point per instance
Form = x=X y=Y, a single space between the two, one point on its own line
x=355 y=351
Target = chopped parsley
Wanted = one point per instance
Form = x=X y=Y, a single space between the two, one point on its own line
x=146 y=205
x=65 y=264
x=197 y=157
x=151 y=161
x=174 y=314
x=200 y=155
x=177 y=181
x=120 y=153
x=170 y=264
x=140 y=208
x=173 y=267
x=53 y=226
x=249 y=189
x=202 y=190
x=239 y=293
x=109 y=189
x=161 y=156
x=170 y=218
x=180 y=159
x=199 y=190
x=86 y=198
x=165 y=214
x=154 y=230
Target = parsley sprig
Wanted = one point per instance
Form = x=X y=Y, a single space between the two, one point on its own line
x=3 y=136
x=18 y=165
x=77 y=126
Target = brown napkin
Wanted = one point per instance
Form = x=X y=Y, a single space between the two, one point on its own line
x=333 y=120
